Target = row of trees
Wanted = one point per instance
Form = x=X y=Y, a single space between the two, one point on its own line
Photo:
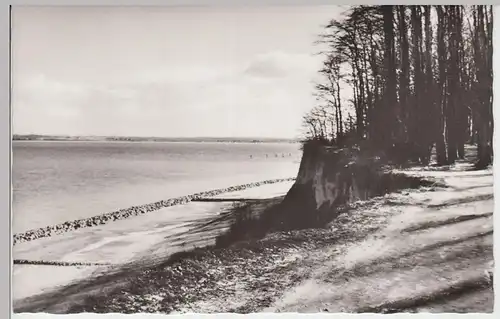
x=413 y=75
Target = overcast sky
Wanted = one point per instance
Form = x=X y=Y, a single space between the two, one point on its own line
x=162 y=71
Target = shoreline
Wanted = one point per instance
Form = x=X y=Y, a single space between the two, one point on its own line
x=127 y=244
x=153 y=140
x=159 y=142
x=104 y=277
x=121 y=214
x=148 y=240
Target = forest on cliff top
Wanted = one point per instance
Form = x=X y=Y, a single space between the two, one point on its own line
x=420 y=79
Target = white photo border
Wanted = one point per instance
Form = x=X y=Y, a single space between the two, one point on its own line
x=5 y=139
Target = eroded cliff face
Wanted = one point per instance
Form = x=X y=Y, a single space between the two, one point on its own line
x=331 y=177
x=328 y=177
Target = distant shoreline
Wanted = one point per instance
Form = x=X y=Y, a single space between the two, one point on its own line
x=54 y=138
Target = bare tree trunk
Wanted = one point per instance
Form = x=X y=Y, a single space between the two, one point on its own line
x=453 y=91
x=441 y=106
x=404 y=84
x=339 y=110
x=388 y=119
x=374 y=67
x=429 y=88
x=483 y=58
x=361 y=93
x=461 y=120
x=417 y=136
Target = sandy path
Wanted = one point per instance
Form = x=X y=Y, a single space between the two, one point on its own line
x=413 y=251
x=436 y=241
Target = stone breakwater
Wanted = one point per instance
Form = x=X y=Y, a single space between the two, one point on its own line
x=131 y=211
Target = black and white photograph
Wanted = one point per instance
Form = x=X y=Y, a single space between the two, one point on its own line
x=252 y=159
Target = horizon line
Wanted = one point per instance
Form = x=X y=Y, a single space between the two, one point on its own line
x=151 y=137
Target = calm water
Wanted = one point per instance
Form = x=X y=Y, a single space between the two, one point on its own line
x=58 y=181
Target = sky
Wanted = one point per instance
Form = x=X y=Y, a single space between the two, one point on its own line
x=165 y=71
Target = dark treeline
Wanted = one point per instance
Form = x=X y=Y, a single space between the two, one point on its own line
x=420 y=76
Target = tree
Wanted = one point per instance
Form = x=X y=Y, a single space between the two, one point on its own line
x=438 y=129
x=432 y=87
x=390 y=110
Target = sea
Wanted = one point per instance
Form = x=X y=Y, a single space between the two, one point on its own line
x=58 y=181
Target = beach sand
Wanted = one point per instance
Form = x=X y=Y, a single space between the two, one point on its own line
x=145 y=238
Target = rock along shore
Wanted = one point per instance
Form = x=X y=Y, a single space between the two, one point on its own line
x=131 y=211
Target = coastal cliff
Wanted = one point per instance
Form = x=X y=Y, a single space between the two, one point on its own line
x=328 y=177
x=328 y=181
x=331 y=177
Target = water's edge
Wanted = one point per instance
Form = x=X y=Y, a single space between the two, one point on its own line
x=131 y=211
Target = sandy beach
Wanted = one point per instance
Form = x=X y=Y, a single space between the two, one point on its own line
x=145 y=238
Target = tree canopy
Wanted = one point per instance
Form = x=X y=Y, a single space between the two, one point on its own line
x=419 y=76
